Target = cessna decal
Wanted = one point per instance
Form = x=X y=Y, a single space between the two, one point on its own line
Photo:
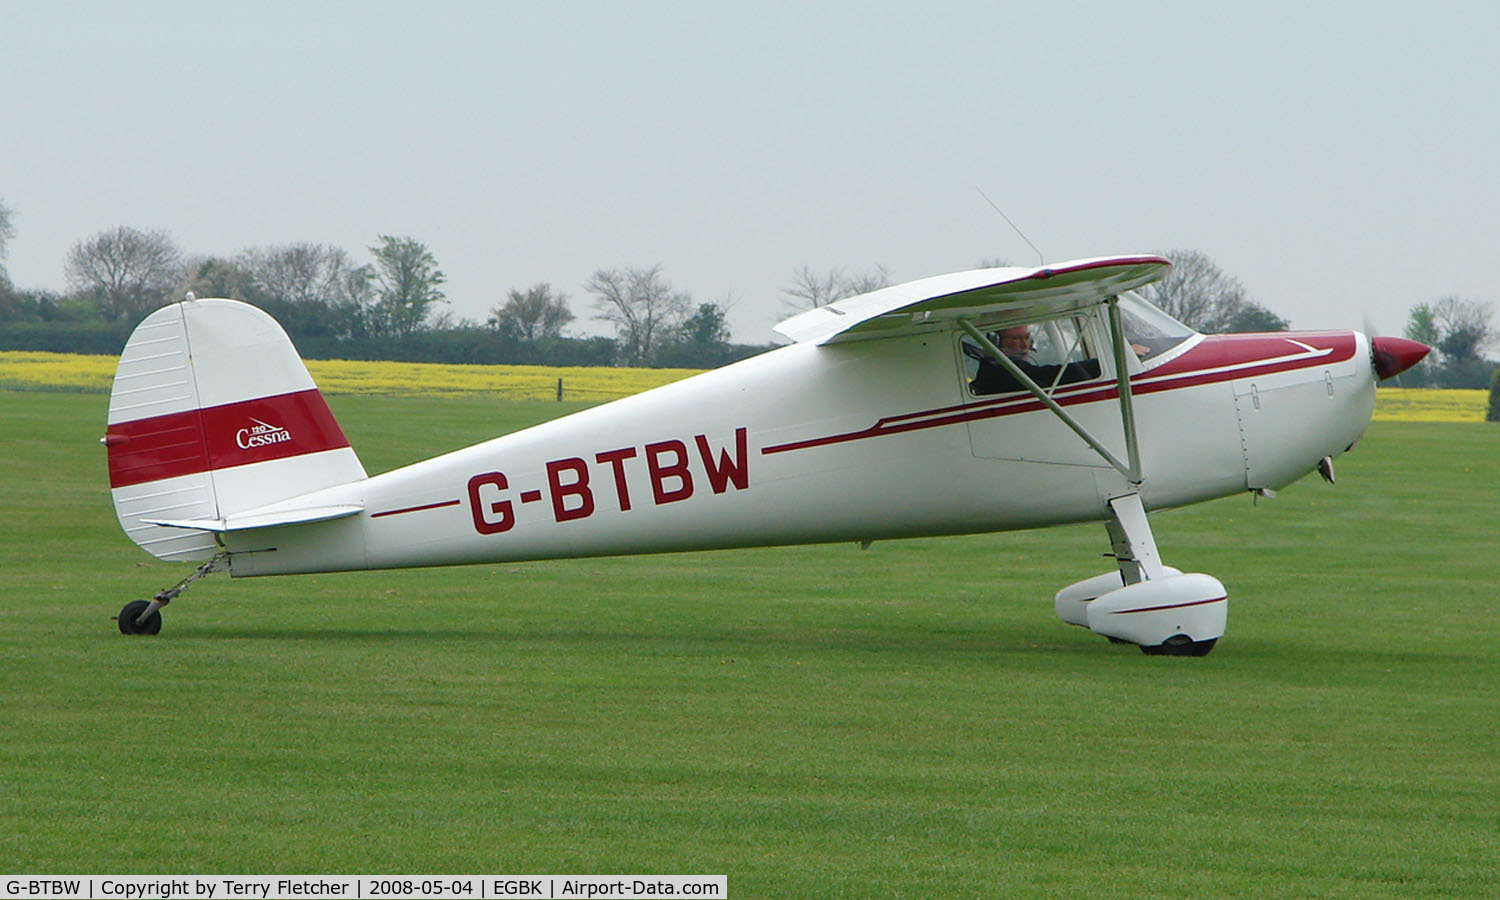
x=260 y=434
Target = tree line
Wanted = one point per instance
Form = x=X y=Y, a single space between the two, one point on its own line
x=1458 y=331
x=391 y=307
x=333 y=306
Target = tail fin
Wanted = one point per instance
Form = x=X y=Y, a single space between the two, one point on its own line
x=213 y=413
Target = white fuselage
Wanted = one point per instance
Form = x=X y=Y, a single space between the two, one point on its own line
x=852 y=441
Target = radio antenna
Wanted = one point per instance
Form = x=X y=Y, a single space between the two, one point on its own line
x=1040 y=259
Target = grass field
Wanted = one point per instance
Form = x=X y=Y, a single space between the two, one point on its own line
x=907 y=721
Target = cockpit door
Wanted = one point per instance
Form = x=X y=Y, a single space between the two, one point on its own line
x=1067 y=358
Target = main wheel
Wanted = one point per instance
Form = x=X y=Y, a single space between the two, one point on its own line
x=131 y=612
x=1180 y=645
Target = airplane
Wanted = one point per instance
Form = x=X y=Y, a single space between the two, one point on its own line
x=892 y=414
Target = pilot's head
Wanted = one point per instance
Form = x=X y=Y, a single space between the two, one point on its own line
x=1016 y=341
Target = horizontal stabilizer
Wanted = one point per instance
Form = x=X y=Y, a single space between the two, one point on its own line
x=251 y=520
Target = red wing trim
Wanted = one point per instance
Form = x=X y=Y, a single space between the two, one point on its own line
x=221 y=437
x=1110 y=262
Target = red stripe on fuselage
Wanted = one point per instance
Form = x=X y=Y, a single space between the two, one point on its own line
x=411 y=509
x=1216 y=359
x=221 y=437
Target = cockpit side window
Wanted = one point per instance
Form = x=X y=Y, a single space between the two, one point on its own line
x=1051 y=353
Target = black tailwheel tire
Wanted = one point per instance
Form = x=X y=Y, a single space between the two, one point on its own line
x=131 y=612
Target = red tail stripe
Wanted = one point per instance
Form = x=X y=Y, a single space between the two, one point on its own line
x=221 y=437
x=155 y=448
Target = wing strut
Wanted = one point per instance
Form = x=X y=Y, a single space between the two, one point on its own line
x=1122 y=382
x=1130 y=469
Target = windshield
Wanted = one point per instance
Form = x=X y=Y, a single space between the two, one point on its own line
x=1149 y=331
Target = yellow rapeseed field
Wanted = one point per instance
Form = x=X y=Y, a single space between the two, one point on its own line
x=586 y=383
x=28 y=371
x=75 y=372
x=1429 y=405
x=22 y=370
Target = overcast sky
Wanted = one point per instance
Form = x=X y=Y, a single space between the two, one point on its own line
x=1341 y=159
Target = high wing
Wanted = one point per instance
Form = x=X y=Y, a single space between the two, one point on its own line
x=1039 y=293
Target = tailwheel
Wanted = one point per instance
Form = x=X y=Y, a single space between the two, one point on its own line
x=139 y=618
x=144 y=616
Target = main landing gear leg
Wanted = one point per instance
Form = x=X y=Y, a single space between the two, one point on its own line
x=1134 y=545
x=1164 y=611
x=144 y=617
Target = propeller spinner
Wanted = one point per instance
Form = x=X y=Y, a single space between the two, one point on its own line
x=1395 y=355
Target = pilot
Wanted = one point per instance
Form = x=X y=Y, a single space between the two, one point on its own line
x=1015 y=342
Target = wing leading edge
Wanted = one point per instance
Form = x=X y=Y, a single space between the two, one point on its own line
x=1044 y=291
